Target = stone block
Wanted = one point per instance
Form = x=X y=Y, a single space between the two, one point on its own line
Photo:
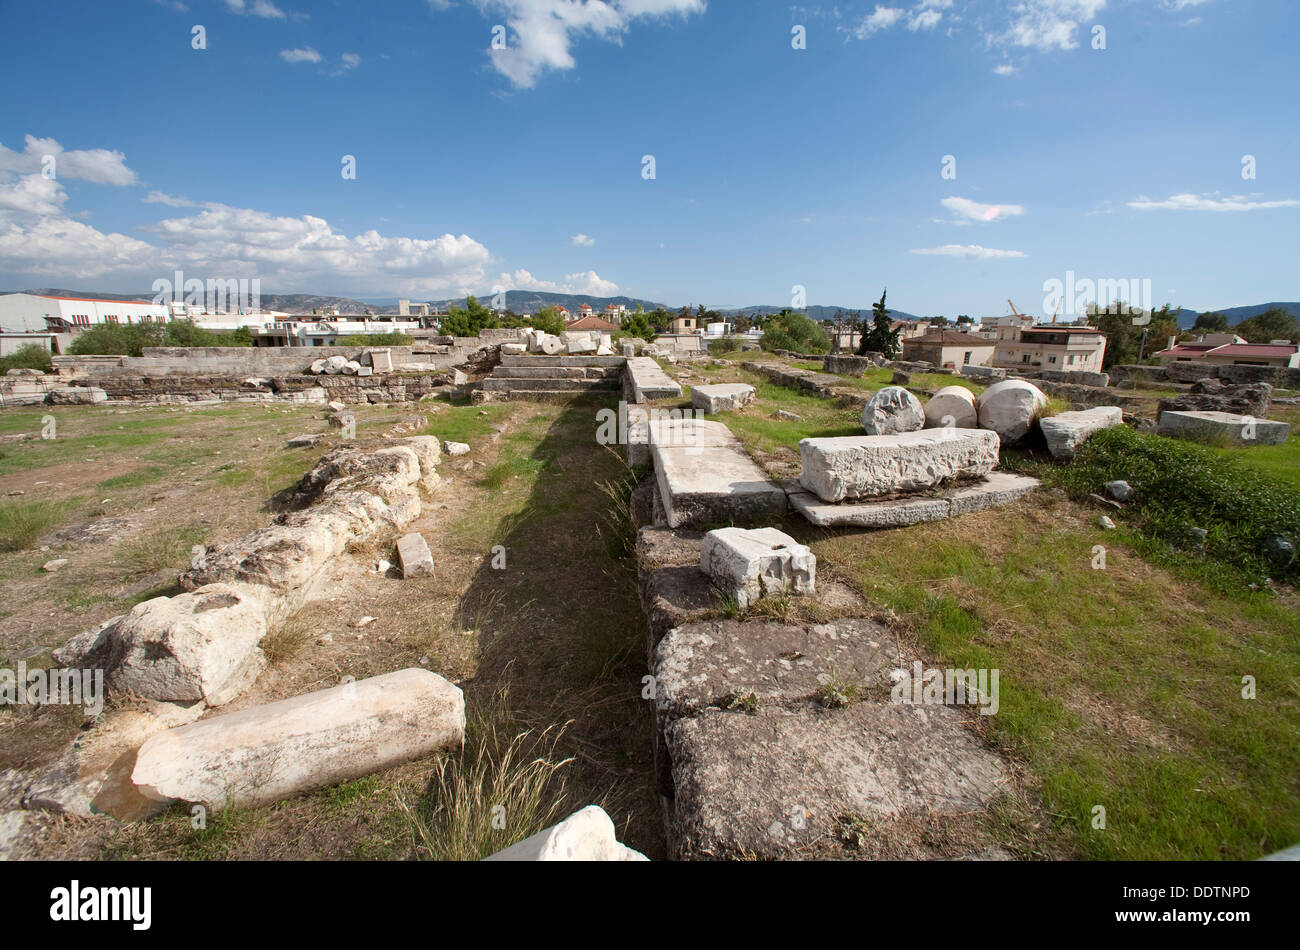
x=852 y=467
x=1066 y=431
x=750 y=563
x=723 y=397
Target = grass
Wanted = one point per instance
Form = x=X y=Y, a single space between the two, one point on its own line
x=22 y=523
x=505 y=785
x=1179 y=485
x=158 y=549
x=1119 y=687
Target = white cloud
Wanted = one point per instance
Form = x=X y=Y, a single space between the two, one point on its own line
x=582 y=240
x=977 y=211
x=100 y=165
x=1190 y=202
x=540 y=32
x=1177 y=6
x=350 y=61
x=881 y=18
x=587 y=282
x=1005 y=69
x=162 y=198
x=304 y=55
x=39 y=236
x=1048 y=24
x=258 y=8
x=973 y=251
x=924 y=20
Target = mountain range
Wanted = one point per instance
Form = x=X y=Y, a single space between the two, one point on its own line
x=531 y=301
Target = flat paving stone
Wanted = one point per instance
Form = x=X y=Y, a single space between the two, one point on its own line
x=1239 y=430
x=706 y=477
x=998 y=488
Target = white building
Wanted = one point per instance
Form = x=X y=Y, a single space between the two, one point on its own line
x=34 y=313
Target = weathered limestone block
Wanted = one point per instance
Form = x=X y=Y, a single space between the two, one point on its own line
x=723 y=397
x=751 y=563
x=414 y=555
x=952 y=406
x=586 y=835
x=381 y=361
x=201 y=645
x=1009 y=407
x=544 y=343
x=770 y=785
x=1222 y=426
x=1067 y=431
x=703 y=664
x=77 y=395
x=581 y=345
x=514 y=349
x=428 y=450
x=647 y=381
x=892 y=409
x=456 y=448
x=264 y=754
x=705 y=476
x=871 y=465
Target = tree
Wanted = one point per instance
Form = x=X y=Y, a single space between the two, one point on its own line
x=469 y=321
x=963 y=318
x=637 y=325
x=1211 y=323
x=548 y=320
x=660 y=319
x=1124 y=337
x=881 y=337
x=788 y=330
x=1274 y=324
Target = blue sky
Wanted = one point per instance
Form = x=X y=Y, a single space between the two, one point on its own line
x=774 y=166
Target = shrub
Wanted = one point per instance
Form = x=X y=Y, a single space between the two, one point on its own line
x=788 y=330
x=1180 y=485
x=31 y=356
x=548 y=321
x=116 y=339
x=637 y=325
x=726 y=344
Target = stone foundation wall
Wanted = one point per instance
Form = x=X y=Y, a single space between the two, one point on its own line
x=1190 y=372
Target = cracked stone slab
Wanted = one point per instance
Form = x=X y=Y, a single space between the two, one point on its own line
x=998 y=488
x=701 y=664
x=771 y=784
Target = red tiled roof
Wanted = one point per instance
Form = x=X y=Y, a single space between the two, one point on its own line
x=591 y=323
x=1254 y=349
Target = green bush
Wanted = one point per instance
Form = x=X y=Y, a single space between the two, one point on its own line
x=725 y=344
x=1180 y=485
x=116 y=339
x=31 y=356
x=788 y=330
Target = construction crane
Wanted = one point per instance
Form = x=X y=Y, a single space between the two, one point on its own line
x=1014 y=311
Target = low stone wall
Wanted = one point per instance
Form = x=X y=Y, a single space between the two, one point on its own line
x=169 y=390
x=1190 y=371
x=846 y=365
x=1081 y=377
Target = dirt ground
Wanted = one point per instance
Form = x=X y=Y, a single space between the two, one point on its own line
x=551 y=640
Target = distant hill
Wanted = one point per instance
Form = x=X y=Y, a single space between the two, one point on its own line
x=531 y=301
x=819 y=313
x=1236 y=314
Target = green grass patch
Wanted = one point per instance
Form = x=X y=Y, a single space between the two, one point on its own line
x=23 y=522
x=1179 y=485
x=1119 y=687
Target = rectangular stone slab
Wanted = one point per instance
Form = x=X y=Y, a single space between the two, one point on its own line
x=648 y=381
x=771 y=785
x=1066 y=431
x=721 y=397
x=264 y=754
x=998 y=489
x=1232 y=428
x=710 y=479
x=867 y=466
x=414 y=555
